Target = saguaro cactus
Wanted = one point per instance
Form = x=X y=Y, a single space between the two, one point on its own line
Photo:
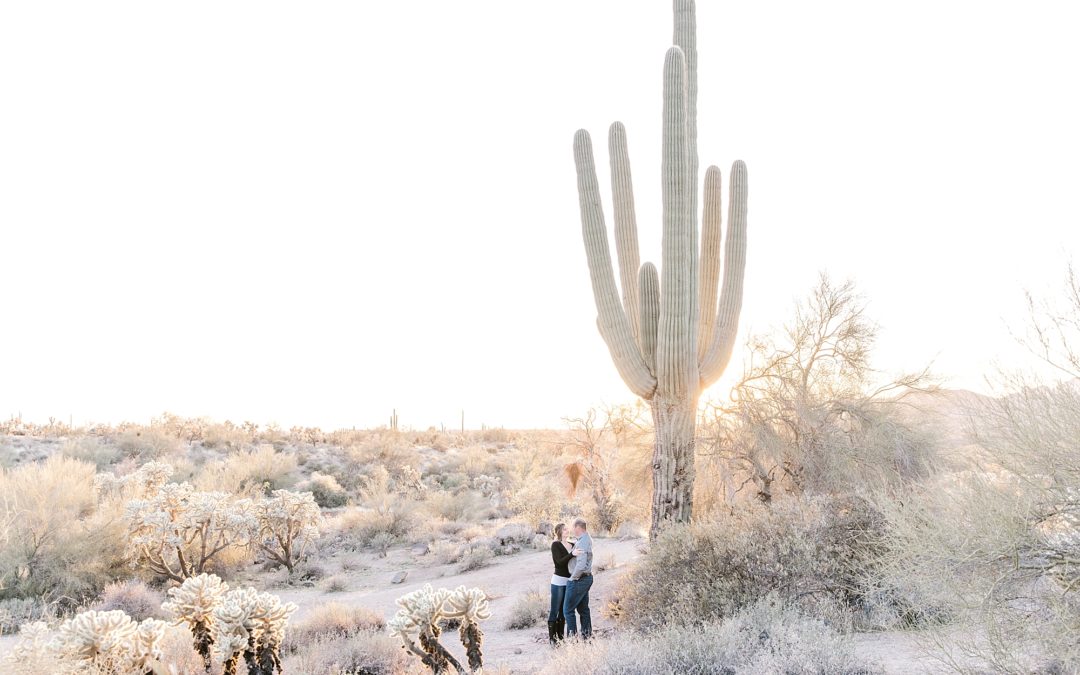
x=670 y=335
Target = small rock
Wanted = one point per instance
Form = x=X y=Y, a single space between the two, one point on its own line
x=517 y=650
x=420 y=549
x=399 y=577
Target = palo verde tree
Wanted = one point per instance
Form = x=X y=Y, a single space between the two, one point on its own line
x=669 y=334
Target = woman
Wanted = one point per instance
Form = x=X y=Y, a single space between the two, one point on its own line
x=561 y=556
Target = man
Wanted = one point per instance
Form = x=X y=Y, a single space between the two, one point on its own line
x=581 y=578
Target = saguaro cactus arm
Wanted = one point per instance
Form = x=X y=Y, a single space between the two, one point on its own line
x=626 y=239
x=612 y=320
x=709 y=269
x=731 y=294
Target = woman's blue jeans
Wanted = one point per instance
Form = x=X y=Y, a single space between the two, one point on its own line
x=558 y=594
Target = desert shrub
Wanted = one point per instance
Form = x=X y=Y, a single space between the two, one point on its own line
x=767 y=637
x=93 y=450
x=364 y=653
x=382 y=542
x=447 y=552
x=133 y=597
x=250 y=472
x=56 y=540
x=475 y=557
x=227 y=436
x=533 y=492
x=332 y=620
x=358 y=528
x=813 y=552
x=148 y=443
x=336 y=584
x=386 y=449
x=528 y=610
x=327 y=490
x=465 y=505
x=15 y=612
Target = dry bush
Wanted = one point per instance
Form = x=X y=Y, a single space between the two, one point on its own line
x=365 y=653
x=327 y=490
x=812 y=552
x=466 y=505
x=1011 y=583
x=767 y=637
x=93 y=450
x=15 y=612
x=178 y=652
x=595 y=443
x=534 y=487
x=56 y=540
x=332 y=620
x=148 y=444
x=358 y=528
x=252 y=472
x=227 y=436
x=528 y=610
x=475 y=557
x=387 y=449
x=133 y=597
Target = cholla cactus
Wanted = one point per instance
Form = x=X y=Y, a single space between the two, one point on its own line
x=251 y=624
x=34 y=653
x=193 y=603
x=288 y=522
x=141 y=483
x=418 y=620
x=470 y=606
x=178 y=530
x=110 y=641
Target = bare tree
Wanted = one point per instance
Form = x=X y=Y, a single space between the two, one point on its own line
x=596 y=440
x=810 y=412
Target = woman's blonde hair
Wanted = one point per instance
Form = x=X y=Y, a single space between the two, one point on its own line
x=558 y=530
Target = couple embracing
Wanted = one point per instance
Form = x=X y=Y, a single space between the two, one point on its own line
x=571 y=582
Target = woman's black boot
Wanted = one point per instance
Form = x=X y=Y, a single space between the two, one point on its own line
x=552 y=633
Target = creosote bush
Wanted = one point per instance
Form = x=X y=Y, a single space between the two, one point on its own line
x=528 y=610
x=812 y=553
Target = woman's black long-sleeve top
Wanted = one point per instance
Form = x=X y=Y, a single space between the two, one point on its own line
x=562 y=559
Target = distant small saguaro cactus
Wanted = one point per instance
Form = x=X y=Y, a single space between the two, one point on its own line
x=670 y=335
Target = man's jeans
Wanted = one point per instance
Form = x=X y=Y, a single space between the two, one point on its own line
x=577 y=599
x=558 y=595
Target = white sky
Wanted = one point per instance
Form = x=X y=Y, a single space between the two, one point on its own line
x=312 y=213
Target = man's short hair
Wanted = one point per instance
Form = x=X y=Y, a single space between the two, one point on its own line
x=580 y=522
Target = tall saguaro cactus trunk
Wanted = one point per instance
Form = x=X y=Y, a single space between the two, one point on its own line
x=670 y=334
